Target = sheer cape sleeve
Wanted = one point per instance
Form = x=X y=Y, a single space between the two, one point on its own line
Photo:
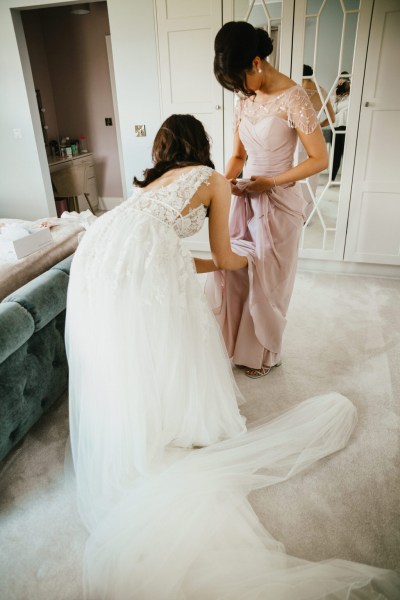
x=300 y=112
x=239 y=105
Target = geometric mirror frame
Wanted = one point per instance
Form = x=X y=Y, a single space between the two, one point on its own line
x=328 y=63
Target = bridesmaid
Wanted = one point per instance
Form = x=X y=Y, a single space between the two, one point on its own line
x=267 y=211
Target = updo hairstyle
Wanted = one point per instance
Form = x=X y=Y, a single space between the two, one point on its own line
x=236 y=45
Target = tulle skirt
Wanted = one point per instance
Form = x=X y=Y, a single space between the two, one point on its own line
x=162 y=457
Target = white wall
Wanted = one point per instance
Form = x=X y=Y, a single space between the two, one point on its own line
x=25 y=190
x=133 y=41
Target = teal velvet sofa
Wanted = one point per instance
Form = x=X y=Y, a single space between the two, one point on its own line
x=33 y=363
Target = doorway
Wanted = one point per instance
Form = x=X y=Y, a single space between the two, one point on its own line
x=69 y=62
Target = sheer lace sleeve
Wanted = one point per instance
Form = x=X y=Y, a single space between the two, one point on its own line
x=300 y=112
x=238 y=112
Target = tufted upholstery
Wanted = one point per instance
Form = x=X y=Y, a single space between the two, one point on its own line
x=33 y=364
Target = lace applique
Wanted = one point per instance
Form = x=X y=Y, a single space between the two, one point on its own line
x=129 y=248
x=167 y=203
x=293 y=105
x=192 y=222
x=157 y=283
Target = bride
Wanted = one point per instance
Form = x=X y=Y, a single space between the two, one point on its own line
x=162 y=456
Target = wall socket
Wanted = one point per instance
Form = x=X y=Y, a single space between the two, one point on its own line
x=108 y=121
x=140 y=130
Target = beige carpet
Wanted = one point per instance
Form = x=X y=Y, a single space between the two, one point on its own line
x=343 y=334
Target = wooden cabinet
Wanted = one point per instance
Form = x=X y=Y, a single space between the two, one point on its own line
x=57 y=164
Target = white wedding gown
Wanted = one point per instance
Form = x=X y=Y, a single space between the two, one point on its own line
x=150 y=383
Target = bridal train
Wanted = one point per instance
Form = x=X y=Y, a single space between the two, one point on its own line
x=163 y=459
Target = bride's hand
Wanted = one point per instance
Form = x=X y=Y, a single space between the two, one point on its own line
x=258 y=185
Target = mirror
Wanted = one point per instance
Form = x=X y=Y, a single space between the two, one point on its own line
x=329 y=41
x=266 y=14
x=330 y=28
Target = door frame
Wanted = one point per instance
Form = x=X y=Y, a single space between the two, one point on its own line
x=31 y=94
x=116 y=115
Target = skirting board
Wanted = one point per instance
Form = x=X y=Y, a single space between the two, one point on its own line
x=349 y=268
x=109 y=203
x=326 y=266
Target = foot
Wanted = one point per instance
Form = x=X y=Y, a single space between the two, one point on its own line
x=257 y=373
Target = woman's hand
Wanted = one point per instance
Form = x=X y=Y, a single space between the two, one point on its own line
x=258 y=185
x=238 y=188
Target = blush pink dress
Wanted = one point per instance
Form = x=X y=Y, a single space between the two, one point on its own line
x=251 y=304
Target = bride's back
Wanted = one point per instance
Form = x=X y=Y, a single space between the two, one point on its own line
x=178 y=198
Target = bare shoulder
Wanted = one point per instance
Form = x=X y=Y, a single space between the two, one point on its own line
x=283 y=82
x=218 y=182
x=214 y=186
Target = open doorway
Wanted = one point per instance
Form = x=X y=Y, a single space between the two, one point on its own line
x=69 y=60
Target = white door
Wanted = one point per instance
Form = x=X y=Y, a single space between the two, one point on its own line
x=186 y=30
x=374 y=220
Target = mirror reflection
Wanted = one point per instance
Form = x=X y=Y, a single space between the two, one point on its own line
x=330 y=32
x=328 y=54
x=266 y=14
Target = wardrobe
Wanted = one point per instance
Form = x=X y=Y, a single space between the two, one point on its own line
x=354 y=221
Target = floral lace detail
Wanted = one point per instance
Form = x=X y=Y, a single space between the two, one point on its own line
x=192 y=222
x=157 y=282
x=128 y=251
x=293 y=105
x=166 y=204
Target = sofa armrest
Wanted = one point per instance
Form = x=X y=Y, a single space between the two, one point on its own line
x=44 y=297
x=16 y=327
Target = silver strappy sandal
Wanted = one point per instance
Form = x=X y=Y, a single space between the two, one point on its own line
x=257 y=373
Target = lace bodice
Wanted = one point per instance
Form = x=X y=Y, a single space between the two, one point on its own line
x=166 y=204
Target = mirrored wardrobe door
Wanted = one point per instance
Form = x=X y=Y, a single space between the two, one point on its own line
x=266 y=14
x=276 y=17
x=328 y=58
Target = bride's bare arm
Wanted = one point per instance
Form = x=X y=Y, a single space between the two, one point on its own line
x=221 y=251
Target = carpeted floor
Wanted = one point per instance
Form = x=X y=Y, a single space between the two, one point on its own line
x=343 y=334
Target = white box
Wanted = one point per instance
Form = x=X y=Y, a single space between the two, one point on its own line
x=32 y=243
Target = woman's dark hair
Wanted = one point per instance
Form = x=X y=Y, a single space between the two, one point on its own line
x=181 y=141
x=343 y=88
x=307 y=71
x=236 y=45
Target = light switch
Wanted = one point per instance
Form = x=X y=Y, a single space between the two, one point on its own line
x=140 y=130
x=17 y=134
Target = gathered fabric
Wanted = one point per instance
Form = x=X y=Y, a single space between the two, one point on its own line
x=251 y=304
